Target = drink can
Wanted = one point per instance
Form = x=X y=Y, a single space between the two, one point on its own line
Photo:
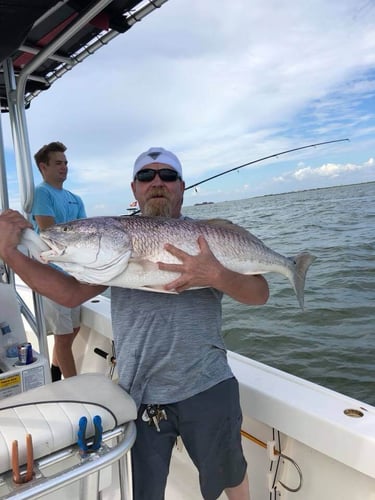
x=25 y=353
x=5 y=328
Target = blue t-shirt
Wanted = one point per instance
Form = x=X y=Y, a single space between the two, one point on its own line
x=61 y=204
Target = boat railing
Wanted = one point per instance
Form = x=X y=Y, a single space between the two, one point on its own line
x=85 y=470
x=72 y=437
x=16 y=84
x=18 y=98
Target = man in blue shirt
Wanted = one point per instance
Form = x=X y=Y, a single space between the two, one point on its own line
x=53 y=205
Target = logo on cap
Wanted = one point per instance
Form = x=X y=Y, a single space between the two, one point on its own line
x=154 y=155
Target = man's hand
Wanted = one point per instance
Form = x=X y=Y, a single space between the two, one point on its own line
x=199 y=270
x=204 y=270
x=42 y=278
x=12 y=223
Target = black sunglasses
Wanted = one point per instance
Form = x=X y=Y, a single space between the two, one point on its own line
x=165 y=174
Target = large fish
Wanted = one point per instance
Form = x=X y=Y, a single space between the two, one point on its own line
x=124 y=251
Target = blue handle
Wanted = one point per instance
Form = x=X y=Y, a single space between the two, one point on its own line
x=98 y=432
x=82 y=425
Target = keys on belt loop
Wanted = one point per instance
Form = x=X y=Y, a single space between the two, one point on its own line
x=153 y=414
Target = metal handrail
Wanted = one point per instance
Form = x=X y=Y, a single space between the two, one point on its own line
x=39 y=486
x=92 y=47
x=16 y=92
x=16 y=102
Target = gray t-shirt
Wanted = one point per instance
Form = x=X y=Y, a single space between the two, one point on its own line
x=169 y=347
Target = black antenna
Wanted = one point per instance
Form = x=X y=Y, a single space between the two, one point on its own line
x=262 y=159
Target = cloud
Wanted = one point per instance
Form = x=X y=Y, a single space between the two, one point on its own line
x=330 y=170
x=219 y=90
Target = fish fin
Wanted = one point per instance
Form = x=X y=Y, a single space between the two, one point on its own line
x=217 y=222
x=143 y=265
x=155 y=289
x=225 y=224
x=136 y=276
x=302 y=262
x=96 y=275
x=34 y=243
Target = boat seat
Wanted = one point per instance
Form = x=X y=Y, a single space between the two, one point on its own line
x=51 y=414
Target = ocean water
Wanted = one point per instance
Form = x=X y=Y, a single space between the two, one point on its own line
x=331 y=342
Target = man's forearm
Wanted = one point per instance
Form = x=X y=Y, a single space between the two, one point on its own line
x=245 y=288
x=50 y=282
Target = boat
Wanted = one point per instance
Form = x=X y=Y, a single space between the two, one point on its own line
x=301 y=440
x=133 y=207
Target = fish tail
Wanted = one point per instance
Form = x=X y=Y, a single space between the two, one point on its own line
x=301 y=262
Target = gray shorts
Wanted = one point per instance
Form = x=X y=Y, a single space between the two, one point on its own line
x=60 y=320
x=210 y=426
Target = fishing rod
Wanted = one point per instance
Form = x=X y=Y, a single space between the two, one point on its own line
x=262 y=159
x=256 y=161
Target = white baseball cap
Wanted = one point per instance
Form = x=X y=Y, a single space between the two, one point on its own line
x=157 y=155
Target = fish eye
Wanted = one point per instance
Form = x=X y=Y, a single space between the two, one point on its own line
x=65 y=228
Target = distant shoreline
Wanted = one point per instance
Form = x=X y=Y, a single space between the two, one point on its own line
x=284 y=192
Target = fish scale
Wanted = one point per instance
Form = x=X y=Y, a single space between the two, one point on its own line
x=124 y=251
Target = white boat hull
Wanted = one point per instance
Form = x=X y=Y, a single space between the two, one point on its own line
x=329 y=436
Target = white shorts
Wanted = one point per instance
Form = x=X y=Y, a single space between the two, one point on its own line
x=60 y=320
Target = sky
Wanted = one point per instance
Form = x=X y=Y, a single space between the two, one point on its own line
x=220 y=84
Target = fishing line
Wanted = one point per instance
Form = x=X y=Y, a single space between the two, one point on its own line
x=262 y=159
x=257 y=161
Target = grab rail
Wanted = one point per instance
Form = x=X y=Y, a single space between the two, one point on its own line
x=84 y=471
x=15 y=95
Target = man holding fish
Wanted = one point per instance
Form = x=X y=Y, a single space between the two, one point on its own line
x=170 y=353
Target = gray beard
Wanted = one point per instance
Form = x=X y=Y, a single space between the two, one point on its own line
x=157 y=207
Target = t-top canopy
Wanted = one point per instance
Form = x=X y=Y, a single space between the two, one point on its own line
x=46 y=38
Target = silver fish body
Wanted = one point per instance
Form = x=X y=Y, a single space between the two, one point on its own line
x=124 y=251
